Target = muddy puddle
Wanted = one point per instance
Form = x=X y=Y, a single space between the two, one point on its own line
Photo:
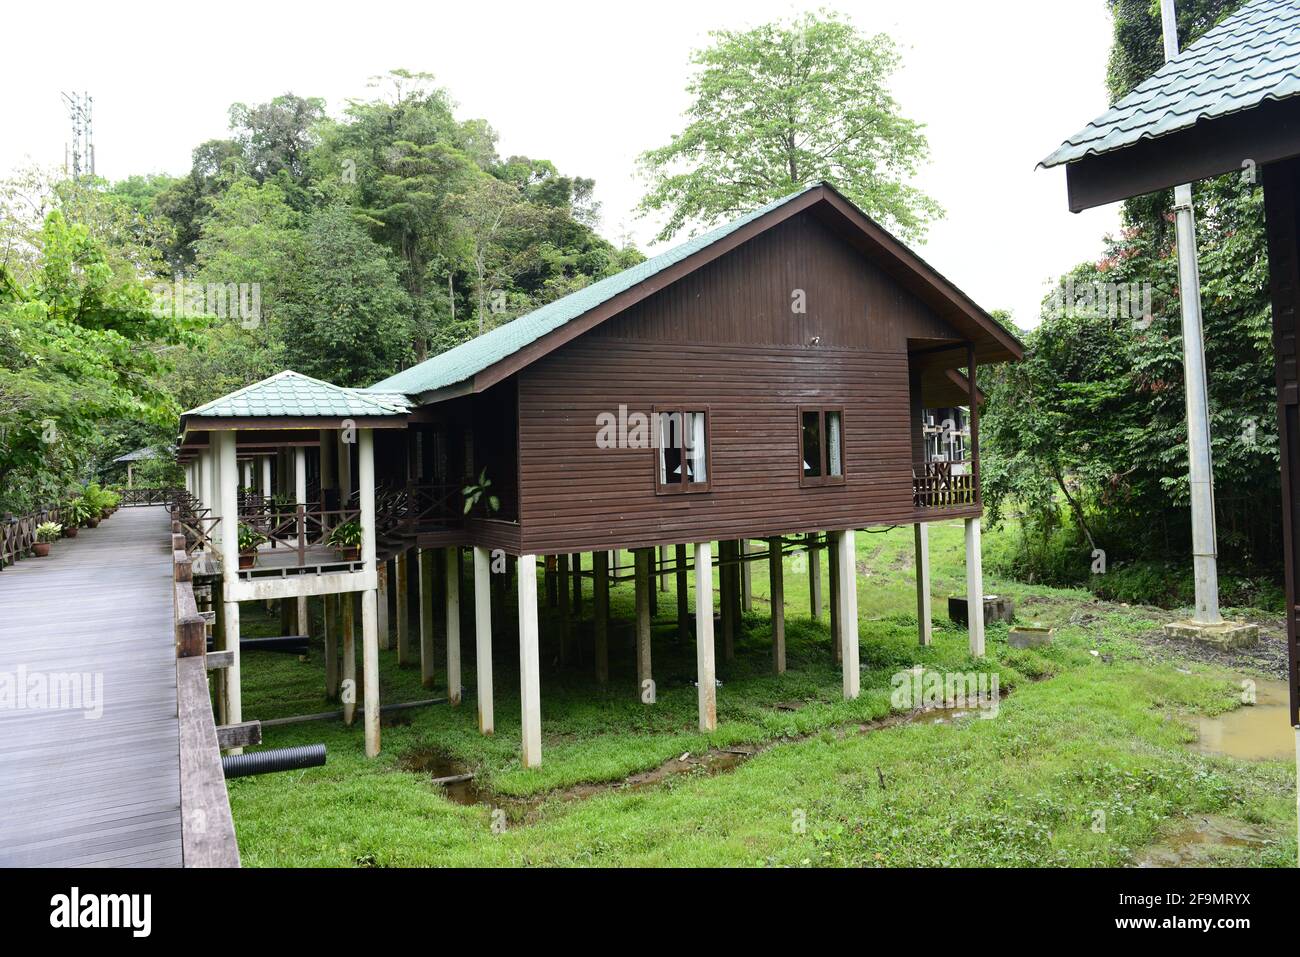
x=1198 y=839
x=1257 y=732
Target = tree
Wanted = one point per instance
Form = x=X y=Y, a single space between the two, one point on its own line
x=782 y=106
x=275 y=137
x=348 y=322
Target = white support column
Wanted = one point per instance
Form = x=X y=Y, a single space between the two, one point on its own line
x=921 y=552
x=345 y=466
x=266 y=478
x=229 y=495
x=453 y=625
x=348 y=690
x=248 y=473
x=300 y=498
x=369 y=633
x=530 y=693
x=847 y=596
x=974 y=587
x=705 y=676
x=645 y=685
x=483 y=637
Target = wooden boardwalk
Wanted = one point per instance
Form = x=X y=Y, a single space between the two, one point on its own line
x=76 y=791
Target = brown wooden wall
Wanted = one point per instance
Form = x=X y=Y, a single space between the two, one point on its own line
x=725 y=337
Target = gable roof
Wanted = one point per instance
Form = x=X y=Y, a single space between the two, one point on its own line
x=502 y=346
x=1251 y=57
x=292 y=395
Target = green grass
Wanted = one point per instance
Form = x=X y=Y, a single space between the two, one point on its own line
x=1080 y=733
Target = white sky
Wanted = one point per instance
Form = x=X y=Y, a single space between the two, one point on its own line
x=589 y=86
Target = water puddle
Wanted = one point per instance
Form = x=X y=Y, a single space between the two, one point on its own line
x=454 y=779
x=1195 y=843
x=1257 y=732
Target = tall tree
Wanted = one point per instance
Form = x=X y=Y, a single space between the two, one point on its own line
x=782 y=106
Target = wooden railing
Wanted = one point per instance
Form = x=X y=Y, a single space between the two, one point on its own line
x=943 y=485
x=18 y=534
x=300 y=527
x=207 y=827
x=149 y=496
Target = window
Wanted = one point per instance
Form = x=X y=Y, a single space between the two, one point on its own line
x=682 y=440
x=821 y=446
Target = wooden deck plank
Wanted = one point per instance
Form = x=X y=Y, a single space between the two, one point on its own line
x=93 y=792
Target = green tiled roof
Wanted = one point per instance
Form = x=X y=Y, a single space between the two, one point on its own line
x=293 y=395
x=1251 y=57
x=458 y=364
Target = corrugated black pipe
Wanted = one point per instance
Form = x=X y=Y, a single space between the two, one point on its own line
x=273 y=759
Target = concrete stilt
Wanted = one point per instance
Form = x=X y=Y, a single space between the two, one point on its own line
x=426 y=618
x=483 y=638
x=746 y=576
x=453 y=625
x=848 y=602
x=776 y=576
x=644 y=587
x=331 y=619
x=833 y=575
x=974 y=587
x=529 y=679
x=402 y=607
x=814 y=575
x=921 y=551
x=600 y=607
x=683 y=596
x=348 y=690
x=381 y=606
x=705 y=671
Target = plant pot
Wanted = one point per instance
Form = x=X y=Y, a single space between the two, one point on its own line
x=349 y=553
x=103 y=516
x=41 y=549
x=92 y=523
x=247 y=559
x=70 y=531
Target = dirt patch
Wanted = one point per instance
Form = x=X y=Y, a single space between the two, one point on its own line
x=1197 y=840
x=1268 y=657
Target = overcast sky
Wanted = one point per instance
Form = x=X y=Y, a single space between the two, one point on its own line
x=998 y=84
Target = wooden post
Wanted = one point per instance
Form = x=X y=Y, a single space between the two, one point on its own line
x=814 y=575
x=705 y=671
x=331 y=647
x=577 y=585
x=300 y=499
x=726 y=574
x=348 y=690
x=369 y=597
x=833 y=574
x=426 y=618
x=663 y=567
x=548 y=578
x=483 y=637
x=644 y=587
x=776 y=575
x=746 y=577
x=402 y=607
x=974 y=588
x=600 y=603
x=530 y=703
x=453 y=625
x=228 y=491
x=562 y=587
x=683 y=596
x=381 y=606
x=848 y=602
x=921 y=552
x=652 y=561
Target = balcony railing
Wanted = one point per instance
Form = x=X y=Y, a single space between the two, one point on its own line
x=943 y=485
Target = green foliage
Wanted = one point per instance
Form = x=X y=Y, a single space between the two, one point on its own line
x=78 y=511
x=480 y=491
x=784 y=105
x=249 y=538
x=346 y=535
x=48 y=532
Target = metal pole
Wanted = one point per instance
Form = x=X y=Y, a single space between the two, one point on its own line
x=1200 y=466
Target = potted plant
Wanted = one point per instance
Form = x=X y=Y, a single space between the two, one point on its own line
x=249 y=539
x=75 y=514
x=46 y=534
x=480 y=491
x=346 y=539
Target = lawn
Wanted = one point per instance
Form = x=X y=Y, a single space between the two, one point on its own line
x=1086 y=762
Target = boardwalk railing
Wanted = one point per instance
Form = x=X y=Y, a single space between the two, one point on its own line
x=18 y=534
x=943 y=485
x=149 y=496
x=207 y=828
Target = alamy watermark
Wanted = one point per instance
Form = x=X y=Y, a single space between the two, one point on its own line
x=224 y=300
x=636 y=430
x=1113 y=300
x=929 y=690
x=24 y=690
